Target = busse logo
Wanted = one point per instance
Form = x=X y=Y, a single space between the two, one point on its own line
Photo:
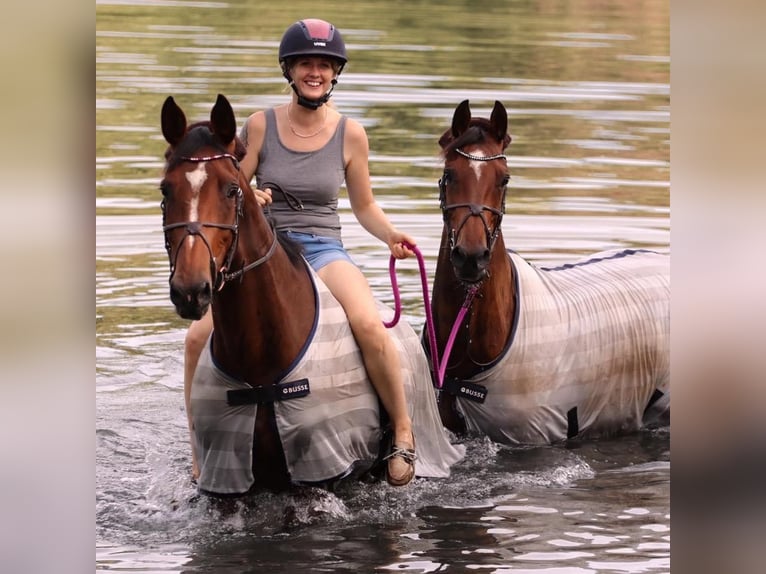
x=293 y=389
x=473 y=393
x=320 y=43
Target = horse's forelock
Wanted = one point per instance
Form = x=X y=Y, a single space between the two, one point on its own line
x=478 y=131
x=199 y=135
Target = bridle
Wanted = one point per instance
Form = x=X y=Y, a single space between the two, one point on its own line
x=474 y=209
x=221 y=275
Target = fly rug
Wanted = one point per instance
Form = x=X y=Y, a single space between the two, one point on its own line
x=327 y=412
x=588 y=354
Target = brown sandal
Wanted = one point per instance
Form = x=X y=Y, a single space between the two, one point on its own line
x=406 y=454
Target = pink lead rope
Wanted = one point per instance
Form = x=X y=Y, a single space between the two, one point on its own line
x=439 y=366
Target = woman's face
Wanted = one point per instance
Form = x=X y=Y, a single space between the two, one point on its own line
x=313 y=75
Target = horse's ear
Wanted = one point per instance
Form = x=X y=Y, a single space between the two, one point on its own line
x=460 y=119
x=173 y=121
x=222 y=121
x=499 y=122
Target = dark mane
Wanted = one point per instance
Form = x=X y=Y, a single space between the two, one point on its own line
x=198 y=135
x=479 y=130
x=293 y=249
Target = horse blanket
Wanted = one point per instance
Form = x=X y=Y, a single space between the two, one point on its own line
x=588 y=355
x=331 y=425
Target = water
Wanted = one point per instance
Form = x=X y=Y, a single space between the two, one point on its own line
x=587 y=92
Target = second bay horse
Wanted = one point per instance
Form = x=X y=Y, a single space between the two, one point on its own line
x=538 y=355
x=280 y=396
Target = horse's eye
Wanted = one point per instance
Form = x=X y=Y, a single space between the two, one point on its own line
x=505 y=180
x=232 y=189
x=164 y=189
x=448 y=177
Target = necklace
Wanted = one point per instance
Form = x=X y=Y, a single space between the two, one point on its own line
x=300 y=135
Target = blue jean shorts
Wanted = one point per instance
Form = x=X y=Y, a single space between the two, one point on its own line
x=320 y=250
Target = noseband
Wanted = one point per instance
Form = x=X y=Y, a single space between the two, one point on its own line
x=474 y=210
x=221 y=276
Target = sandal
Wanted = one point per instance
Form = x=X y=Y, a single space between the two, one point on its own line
x=406 y=454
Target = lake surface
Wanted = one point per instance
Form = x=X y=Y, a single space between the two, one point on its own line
x=586 y=85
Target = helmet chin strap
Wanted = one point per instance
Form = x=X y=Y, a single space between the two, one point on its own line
x=312 y=104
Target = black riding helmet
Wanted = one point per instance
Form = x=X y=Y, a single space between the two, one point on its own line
x=311 y=37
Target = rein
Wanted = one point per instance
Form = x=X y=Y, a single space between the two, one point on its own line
x=228 y=276
x=439 y=365
x=192 y=228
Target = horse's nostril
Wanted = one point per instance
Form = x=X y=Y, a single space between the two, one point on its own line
x=461 y=257
x=176 y=296
x=200 y=295
x=191 y=302
x=458 y=256
x=205 y=293
x=470 y=266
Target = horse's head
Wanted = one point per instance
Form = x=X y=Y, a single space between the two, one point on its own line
x=472 y=189
x=202 y=203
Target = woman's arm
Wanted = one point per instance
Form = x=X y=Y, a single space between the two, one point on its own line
x=363 y=204
x=252 y=136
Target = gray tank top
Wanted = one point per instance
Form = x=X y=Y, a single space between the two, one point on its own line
x=313 y=177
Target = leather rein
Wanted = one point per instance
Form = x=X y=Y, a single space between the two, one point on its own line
x=195 y=228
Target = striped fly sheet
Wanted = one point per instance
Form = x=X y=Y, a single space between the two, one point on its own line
x=588 y=353
x=331 y=425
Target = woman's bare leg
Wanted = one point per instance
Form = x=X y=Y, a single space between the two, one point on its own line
x=381 y=358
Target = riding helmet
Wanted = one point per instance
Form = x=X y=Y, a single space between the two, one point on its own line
x=311 y=37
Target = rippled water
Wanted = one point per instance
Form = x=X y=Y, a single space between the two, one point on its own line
x=586 y=87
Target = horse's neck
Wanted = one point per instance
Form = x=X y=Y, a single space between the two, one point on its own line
x=489 y=319
x=261 y=321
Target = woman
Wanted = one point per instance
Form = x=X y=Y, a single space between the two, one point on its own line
x=301 y=152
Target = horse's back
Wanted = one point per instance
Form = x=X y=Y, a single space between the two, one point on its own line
x=590 y=350
x=621 y=299
x=618 y=296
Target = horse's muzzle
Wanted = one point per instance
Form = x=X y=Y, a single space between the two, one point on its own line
x=470 y=267
x=191 y=302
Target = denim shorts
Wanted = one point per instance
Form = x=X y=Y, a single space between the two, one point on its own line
x=320 y=250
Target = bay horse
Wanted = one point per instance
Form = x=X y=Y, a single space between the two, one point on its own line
x=534 y=355
x=280 y=396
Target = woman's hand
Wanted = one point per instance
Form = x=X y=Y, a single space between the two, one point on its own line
x=398 y=243
x=262 y=196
